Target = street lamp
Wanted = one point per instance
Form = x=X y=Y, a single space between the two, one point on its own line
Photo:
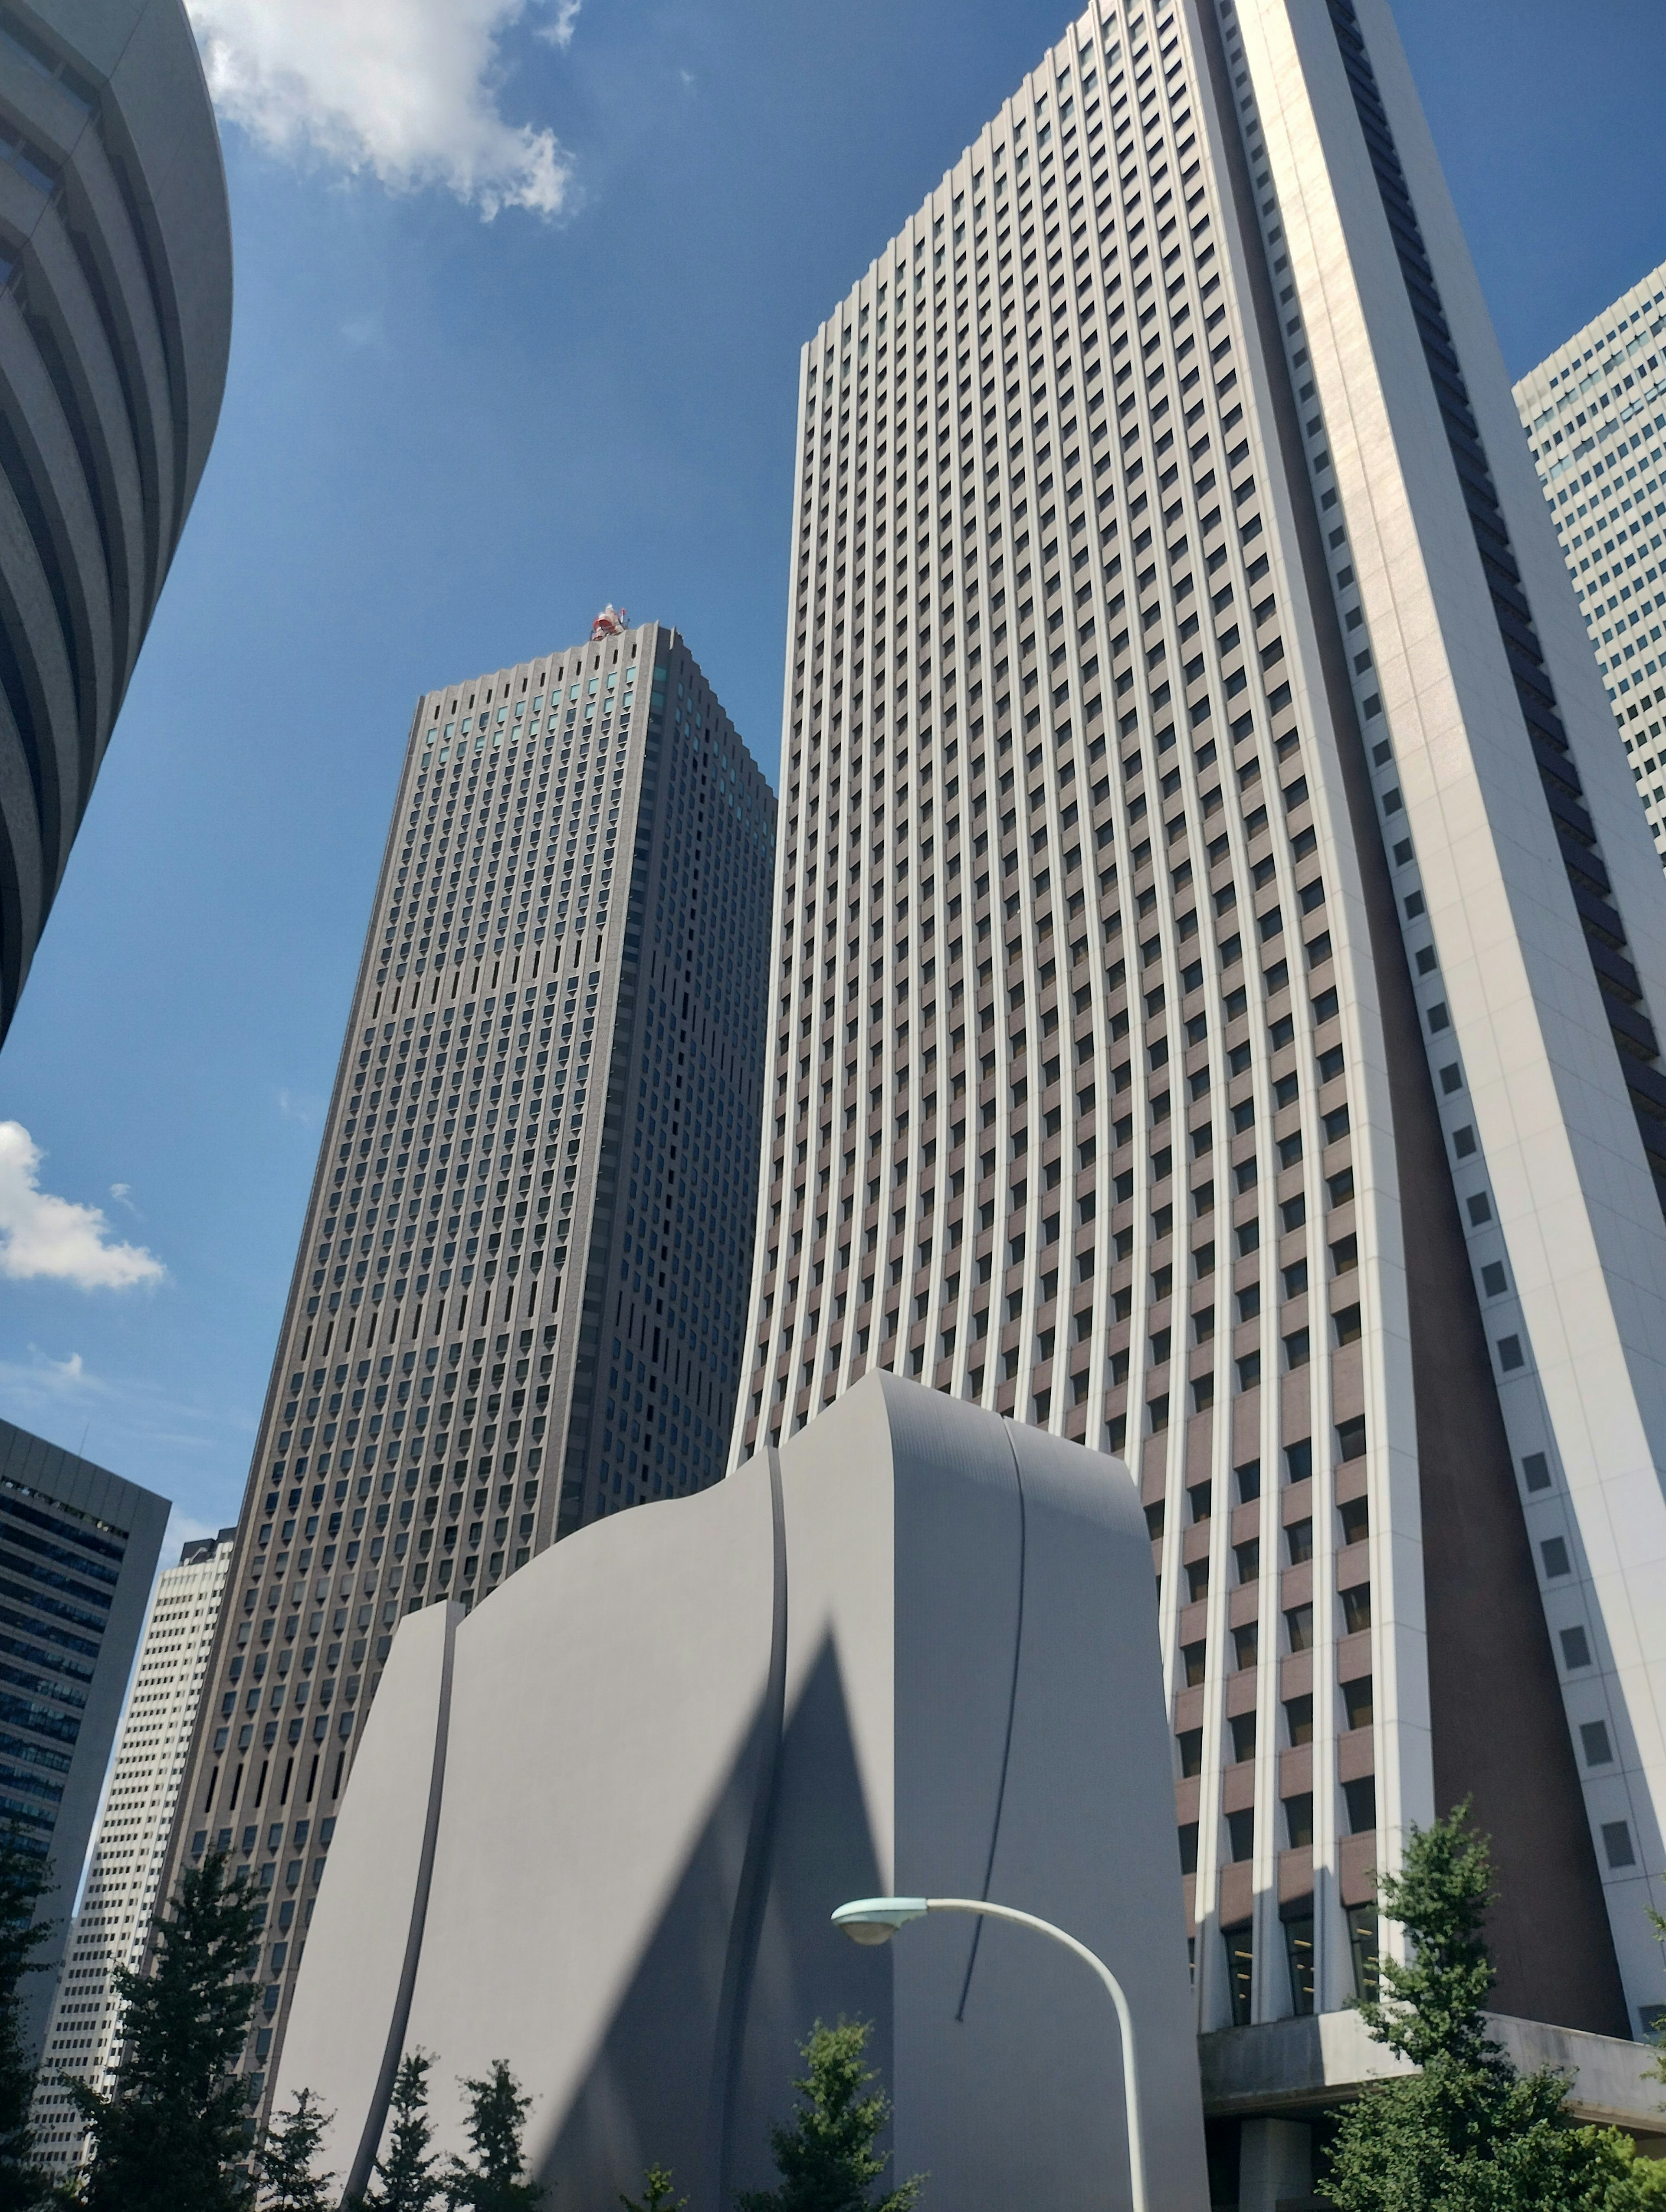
x=876 y=1919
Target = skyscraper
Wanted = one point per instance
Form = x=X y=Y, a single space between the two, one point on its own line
x=78 y=1547
x=115 y=327
x=517 y=1300
x=1595 y=418
x=84 y=2033
x=1217 y=954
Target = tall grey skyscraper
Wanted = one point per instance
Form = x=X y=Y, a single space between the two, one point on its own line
x=115 y=327
x=1596 y=417
x=124 y=1876
x=1219 y=961
x=518 y=1301
x=78 y=1547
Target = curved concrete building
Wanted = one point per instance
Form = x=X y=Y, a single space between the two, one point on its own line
x=597 y=1828
x=115 y=323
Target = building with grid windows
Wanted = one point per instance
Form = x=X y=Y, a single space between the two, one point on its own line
x=1595 y=419
x=122 y=1891
x=78 y=1548
x=1217 y=963
x=518 y=1302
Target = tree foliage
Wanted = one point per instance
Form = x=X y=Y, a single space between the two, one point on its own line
x=174 y=2134
x=285 y=2163
x=25 y=1878
x=406 y=2177
x=1466 y=2133
x=494 y=2179
x=657 y=2184
x=826 y=2159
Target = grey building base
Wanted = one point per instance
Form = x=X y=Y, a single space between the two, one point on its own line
x=1265 y=2088
x=597 y=1829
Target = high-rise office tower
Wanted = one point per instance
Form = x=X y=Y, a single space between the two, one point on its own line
x=115 y=328
x=519 y=1297
x=78 y=1547
x=124 y=1876
x=1217 y=961
x=1595 y=419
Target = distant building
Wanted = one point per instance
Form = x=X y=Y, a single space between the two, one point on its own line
x=115 y=325
x=78 y=1548
x=1596 y=417
x=122 y=1881
x=518 y=1302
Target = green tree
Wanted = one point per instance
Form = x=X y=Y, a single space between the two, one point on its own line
x=174 y=2134
x=287 y=2154
x=656 y=2193
x=826 y=2160
x=25 y=1878
x=495 y=2181
x=408 y=2174
x=1466 y=2133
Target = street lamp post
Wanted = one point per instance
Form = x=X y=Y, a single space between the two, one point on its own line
x=876 y=1920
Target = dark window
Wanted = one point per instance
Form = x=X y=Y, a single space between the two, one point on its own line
x=1360 y=1799
x=1240 y=1969
x=1298 y=1918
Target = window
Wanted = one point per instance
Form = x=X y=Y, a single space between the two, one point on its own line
x=1298 y=1541
x=1594 y=1742
x=1298 y=1460
x=1299 y=1720
x=1355 y=1517
x=1298 y=1821
x=1240 y=1966
x=1356 y=1609
x=1575 y=1649
x=1240 y=1836
x=1350 y=1439
x=1248 y=1477
x=1617 y=1844
x=1554 y=1552
x=1364 y=1944
x=1359 y=1799
x=1193 y=1658
x=1298 y=1626
x=1298 y=1918
x=1188 y=1848
x=1242 y=1726
x=1191 y=1751
x=1246 y=1643
x=1357 y=1702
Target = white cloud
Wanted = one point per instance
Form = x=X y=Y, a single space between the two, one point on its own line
x=44 y=1377
x=404 y=89
x=299 y=1106
x=43 y=1235
x=560 y=33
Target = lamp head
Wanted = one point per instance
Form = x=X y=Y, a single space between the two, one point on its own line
x=876 y=1919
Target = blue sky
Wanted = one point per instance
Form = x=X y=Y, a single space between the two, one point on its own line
x=446 y=442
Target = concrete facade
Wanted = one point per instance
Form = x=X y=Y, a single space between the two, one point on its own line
x=517 y=1302
x=78 y=1548
x=1594 y=414
x=115 y=326
x=120 y=1901
x=913 y=1652
x=1219 y=963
